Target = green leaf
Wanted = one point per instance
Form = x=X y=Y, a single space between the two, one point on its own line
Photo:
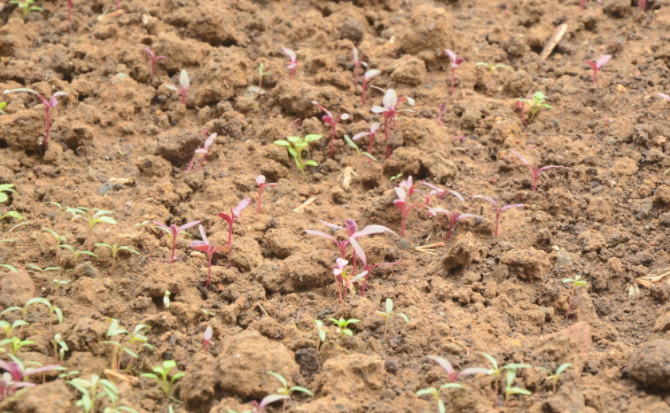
x=518 y=390
x=302 y=390
x=440 y=407
x=132 y=353
x=169 y=364
x=369 y=156
x=311 y=163
x=10 y=308
x=562 y=368
x=88 y=253
x=451 y=386
x=350 y=142
x=102 y=244
x=150 y=376
x=404 y=317
x=10 y=268
x=129 y=249
x=282 y=143
x=491 y=360
x=59 y=314
x=108 y=220
x=312 y=138
x=13 y=214
x=279 y=377
x=293 y=139
x=431 y=391
x=38 y=300
x=389 y=306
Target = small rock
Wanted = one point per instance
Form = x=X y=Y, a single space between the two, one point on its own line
x=85 y=269
x=527 y=263
x=353 y=30
x=650 y=364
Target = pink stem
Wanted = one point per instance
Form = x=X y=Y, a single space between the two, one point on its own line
x=183 y=96
x=370 y=149
x=386 y=135
x=497 y=218
x=332 y=140
x=47 y=110
x=356 y=74
x=260 y=189
x=174 y=246
x=209 y=272
x=69 y=11
x=536 y=174
x=365 y=87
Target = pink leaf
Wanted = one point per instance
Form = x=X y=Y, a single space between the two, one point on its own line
x=333 y=226
x=602 y=60
x=372 y=229
x=521 y=158
x=186 y=226
x=359 y=251
x=260 y=179
x=290 y=53
x=243 y=204
x=320 y=234
x=506 y=207
x=444 y=363
x=488 y=199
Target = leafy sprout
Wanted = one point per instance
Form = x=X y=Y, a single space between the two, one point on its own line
x=133 y=343
x=359 y=152
x=4 y=190
x=185 y=83
x=323 y=333
x=388 y=314
x=510 y=389
x=165 y=381
x=57 y=342
x=572 y=296
x=535 y=103
x=115 y=250
x=342 y=325
x=100 y=215
x=26 y=7
x=555 y=376
x=295 y=146
x=284 y=390
x=435 y=393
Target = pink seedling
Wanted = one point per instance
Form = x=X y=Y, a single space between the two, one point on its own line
x=174 y=230
x=534 y=169
x=154 y=60
x=293 y=63
x=662 y=96
x=185 y=84
x=358 y=250
x=234 y=214
x=11 y=381
x=260 y=180
x=207 y=337
x=202 y=151
x=455 y=62
x=204 y=246
x=338 y=270
x=454 y=217
x=258 y=407
x=498 y=209
x=390 y=104
x=356 y=64
x=642 y=4
x=582 y=3
x=330 y=119
x=598 y=64
x=405 y=190
x=373 y=129
x=48 y=105
x=453 y=376
x=441 y=193
x=367 y=77
x=443 y=110
x=461 y=138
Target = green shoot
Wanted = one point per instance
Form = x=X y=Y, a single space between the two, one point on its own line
x=572 y=298
x=496 y=372
x=432 y=391
x=133 y=344
x=166 y=299
x=95 y=389
x=58 y=284
x=295 y=145
x=68 y=374
x=115 y=250
x=57 y=341
x=165 y=381
x=24 y=309
x=393 y=178
x=9 y=328
x=261 y=73
x=535 y=102
x=359 y=152
x=42 y=270
x=509 y=386
x=59 y=240
x=12 y=214
x=288 y=391
x=15 y=344
x=323 y=333
x=342 y=326
x=2 y=106
x=11 y=268
x=4 y=188
x=77 y=254
x=100 y=215
x=26 y=7
x=388 y=315
x=555 y=376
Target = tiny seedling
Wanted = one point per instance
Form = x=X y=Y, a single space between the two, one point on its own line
x=293 y=63
x=342 y=325
x=443 y=110
x=36 y=300
x=173 y=231
x=455 y=62
x=95 y=389
x=359 y=152
x=15 y=344
x=404 y=191
x=358 y=252
x=295 y=145
x=261 y=74
x=60 y=283
x=115 y=250
x=341 y=276
x=61 y=209
x=510 y=389
x=207 y=338
x=454 y=218
x=9 y=328
x=42 y=270
x=202 y=151
x=26 y=7
x=600 y=62
x=15 y=372
x=12 y=214
x=166 y=299
x=374 y=126
x=534 y=168
x=572 y=296
x=154 y=59
x=367 y=77
x=288 y=391
x=185 y=83
x=358 y=63
x=388 y=314
x=535 y=103
x=555 y=376
x=390 y=109
x=9 y=267
x=99 y=216
x=260 y=180
x=76 y=253
x=441 y=193
x=582 y=3
x=60 y=347
x=496 y=372
x=330 y=119
x=230 y=219
x=165 y=381
x=453 y=376
x=204 y=246
x=435 y=393
x=134 y=342
x=48 y=105
x=395 y=177
x=258 y=407
x=323 y=333
x=4 y=190
x=499 y=210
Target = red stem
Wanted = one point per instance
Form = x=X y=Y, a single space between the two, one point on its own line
x=230 y=229
x=47 y=110
x=595 y=73
x=69 y=11
x=292 y=73
x=174 y=246
x=497 y=218
x=536 y=174
x=333 y=126
x=209 y=272
x=183 y=96
x=260 y=188
x=386 y=135
x=365 y=87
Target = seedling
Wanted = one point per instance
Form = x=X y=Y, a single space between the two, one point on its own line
x=115 y=250
x=534 y=169
x=230 y=219
x=76 y=254
x=61 y=209
x=602 y=60
x=100 y=215
x=367 y=77
x=583 y=2
x=443 y=110
x=15 y=344
x=173 y=231
x=166 y=299
x=390 y=109
x=12 y=214
x=60 y=283
x=404 y=191
x=35 y=300
x=165 y=381
x=133 y=344
x=330 y=119
x=15 y=372
x=57 y=342
x=510 y=389
x=207 y=338
x=455 y=62
x=358 y=252
x=258 y=407
x=26 y=7
x=295 y=145
x=293 y=63
x=661 y=95
x=2 y=106
x=202 y=151
x=9 y=267
x=95 y=389
x=432 y=391
x=48 y=105
x=261 y=73
x=4 y=190
x=356 y=64
x=498 y=209
x=343 y=279
x=572 y=297
x=208 y=249
x=260 y=180
x=388 y=314
x=288 y=391
x=535 y=103
x=395 y=177
x=9 y=328
x=154 y=60
x=42 y=270
x=185 y=83
x=441 y=193
x=496 y=372
x=374 y=126
x=453 y=376
x=454 y=218
x=342 y=326
x=357 y=149
x=555 y=376
x=323 y=333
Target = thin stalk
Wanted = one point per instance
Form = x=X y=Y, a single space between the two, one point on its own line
x=332 y=141
x=209 y=271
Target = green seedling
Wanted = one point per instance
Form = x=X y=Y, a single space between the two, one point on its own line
x=115 y=250
x=396 y=177
x=42 y=270
x=4 y=189
x=68 y=374
x=2 y=106
x=134 y=342
x=323 y=333
x=288 y=391
x=57 y=342
x=207 y=313
x=165 y=381
x=359 y=152
x=496 y=372
x=342 y=326
x=432 y=391
x=261 y=73
x=555 y=376
x=143 y=224
x=9 y=267
x=100 y=215
x=295 y=145
x=60 y=283
x=9 y=328
x=95 y=389
x=24 y=309
x=572 y=297
x=12 y=214
x=26 y=7
x=61 y=209
x=510 y=389
x=77 y=254
x=388 y=315
x=535 y=103
x=166 y=299
x=15 y=344
x=59 y=240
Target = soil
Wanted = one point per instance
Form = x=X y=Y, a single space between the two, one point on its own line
x=122 y=141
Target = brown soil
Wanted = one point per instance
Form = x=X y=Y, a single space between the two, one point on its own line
x=122 y=142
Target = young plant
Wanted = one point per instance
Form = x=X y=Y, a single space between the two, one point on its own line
x=330 y=119
x=367 y=77
x=357 y=149
x=260 y=180
x=261 y=73
x=404 y=191
x=204 y=246
x=258 y=407
x=343 y=279
x=207 y=338
x=499 y=210
x=57 y=342
x=323 y=333
x=390 y=109
x=455 y=62
x=230 y=219
x=295 y=145
x=454 y=218
x=374 y=126
x=356 y=64
x=535 y=103
x=115 y=250
x=48 y=105
x=9 y=328
x=443 y=110
x=582 y=3
x=154 y=59
x=35 y=300
x=388 y=314
x=12 y=214
x=435 y=393
x=99 y=216
x=15 y=344
x=572 y=296
x=293 y=63
x=202 y=151
x=26 y=7
x=15 y=372
x=58 y=284
x=534 y=169
x=95 y=389
x=173 y=231
x=76 y=254
x=166 y=299
x=441 y=193
x=510 y=389
x=165 y=381
x=2 y=106
x=42 y=270
x=134 y=342
x=342 y=325
x=185 y=83
x=453 y=376
x=661 y=95
x=4 y=190
x=288 y=391
x=358 y=252
x=555 y=376
x=496 y=372
x=602 y=60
